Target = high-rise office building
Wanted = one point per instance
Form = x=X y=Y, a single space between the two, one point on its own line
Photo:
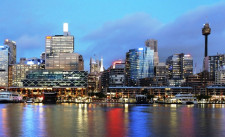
x=180 y=66
x=187 y=65
x=59 y=53
x=4 y=66
x=12 y=51
x=214 y=63
x=161 y=70
x=139 y=64
x=19 y=72
x=153 y=44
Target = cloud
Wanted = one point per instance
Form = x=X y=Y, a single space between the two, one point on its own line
x=26 y=44
x=29 y=41
x=115 y=38
x=27 y=31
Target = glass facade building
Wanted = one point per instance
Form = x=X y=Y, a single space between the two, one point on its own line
x=56 y=78
x=139 y=64
x=4 y=65
x=148 y=63
x=153 y=44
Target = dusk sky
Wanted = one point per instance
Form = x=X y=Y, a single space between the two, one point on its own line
x=110 y=28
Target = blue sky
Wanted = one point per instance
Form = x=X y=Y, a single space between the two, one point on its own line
x=110 y=28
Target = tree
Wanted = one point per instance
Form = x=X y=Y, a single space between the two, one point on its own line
x=200 y=97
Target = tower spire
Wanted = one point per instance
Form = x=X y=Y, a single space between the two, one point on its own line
x=101 y=68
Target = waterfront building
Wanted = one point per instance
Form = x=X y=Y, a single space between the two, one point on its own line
x=59 y=53
x=12 y=51
x=153 y=44
x=199 y=82
x=158 y=92
x=4 y=65
x=180 y=66
x=139 y=64
x=56 y=78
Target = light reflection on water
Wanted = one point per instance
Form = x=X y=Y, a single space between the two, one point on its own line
x=111 y=120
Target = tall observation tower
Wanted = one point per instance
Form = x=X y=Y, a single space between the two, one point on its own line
x=206 y=31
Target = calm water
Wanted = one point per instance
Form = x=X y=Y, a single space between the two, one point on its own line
x=101 y=120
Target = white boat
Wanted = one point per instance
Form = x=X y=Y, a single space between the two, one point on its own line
x=30 y=100
x=7 y=96
x=185 y=98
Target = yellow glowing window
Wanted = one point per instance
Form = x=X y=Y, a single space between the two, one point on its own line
x=48 y=37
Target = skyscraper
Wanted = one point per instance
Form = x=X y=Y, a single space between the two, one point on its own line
x=12 y=51
x=180 y=66
x=4 y=65
x=187 y=65
x=214 y=63
x=59 y=53
x=153 y=44
x=139 y=64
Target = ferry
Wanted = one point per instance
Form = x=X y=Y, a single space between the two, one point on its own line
x=185 y=98
x=9 y=97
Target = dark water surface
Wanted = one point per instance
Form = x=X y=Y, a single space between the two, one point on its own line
x=80 y=120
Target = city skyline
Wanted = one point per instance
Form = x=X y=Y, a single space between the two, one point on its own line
x=123 y=30
x=112 y=68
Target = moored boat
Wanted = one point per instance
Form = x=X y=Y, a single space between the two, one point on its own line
x=9 y=97
x=185 y=98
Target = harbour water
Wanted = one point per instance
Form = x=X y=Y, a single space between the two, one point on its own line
x=80 y=120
